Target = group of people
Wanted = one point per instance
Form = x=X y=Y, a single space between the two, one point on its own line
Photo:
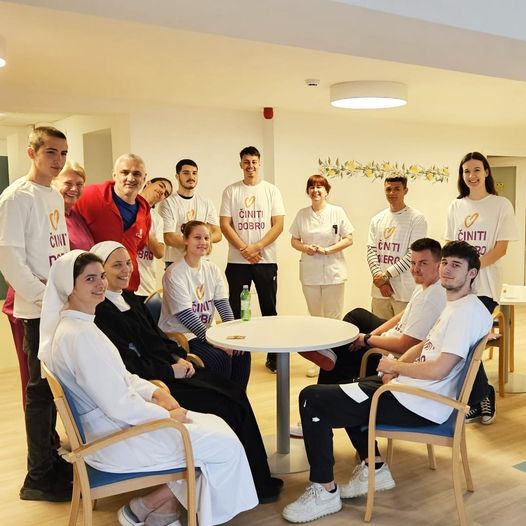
x=81 y=262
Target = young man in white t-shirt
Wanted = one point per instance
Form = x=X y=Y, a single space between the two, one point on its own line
x=435 y=365
x=402 y=331
x=391 y=233
x=33 y=234
x=155 y=191
x=183 y=206
x=251 y=218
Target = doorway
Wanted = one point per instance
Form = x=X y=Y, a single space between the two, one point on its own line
x=510 y=181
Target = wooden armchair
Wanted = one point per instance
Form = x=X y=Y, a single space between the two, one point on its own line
x=450 y=433
x=153 y=303
x=92 y=484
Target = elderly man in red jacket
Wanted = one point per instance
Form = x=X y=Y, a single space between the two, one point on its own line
x=115 y=211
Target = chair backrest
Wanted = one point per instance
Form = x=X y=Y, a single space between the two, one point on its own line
x=469 y=371
x=154 y=303
x=66 y=409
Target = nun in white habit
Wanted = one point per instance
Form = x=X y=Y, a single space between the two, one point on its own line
x=109 y=399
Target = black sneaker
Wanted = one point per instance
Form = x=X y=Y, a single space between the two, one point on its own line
x=271 y=492
x=63 y=469
x=270 y=364
x=474 y=414
x=488 y=407
x=48 y=488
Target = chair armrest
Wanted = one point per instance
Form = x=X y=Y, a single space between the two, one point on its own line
x=193 y=358
x=180 y=338
x=160 y=384
x=422 y=393
x=368 y=353
x=113 y=438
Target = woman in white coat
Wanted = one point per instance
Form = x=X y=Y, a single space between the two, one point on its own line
x=109 y=399
x=321 y=232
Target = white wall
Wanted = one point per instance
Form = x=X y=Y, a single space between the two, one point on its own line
x=77 y=125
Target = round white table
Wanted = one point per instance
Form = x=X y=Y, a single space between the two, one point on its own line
x=283 y=335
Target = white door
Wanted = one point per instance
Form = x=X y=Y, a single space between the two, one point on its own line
x=510 y=180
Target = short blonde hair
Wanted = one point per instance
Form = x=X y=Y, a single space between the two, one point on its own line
x=73 y=166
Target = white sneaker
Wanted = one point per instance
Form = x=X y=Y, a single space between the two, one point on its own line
x=358 y=485
x=316 y=502
x=296 y=431
x=126 y=517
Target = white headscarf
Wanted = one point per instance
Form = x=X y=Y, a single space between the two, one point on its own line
x=105 y=248
x=59 y=286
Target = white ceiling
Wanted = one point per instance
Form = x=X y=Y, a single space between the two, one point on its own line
x=72 y=56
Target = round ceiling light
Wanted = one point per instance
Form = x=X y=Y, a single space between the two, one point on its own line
x=368 y=94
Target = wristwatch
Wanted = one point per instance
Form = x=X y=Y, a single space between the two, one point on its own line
x=366 y=338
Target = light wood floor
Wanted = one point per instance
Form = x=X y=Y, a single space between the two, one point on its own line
x=421 y=496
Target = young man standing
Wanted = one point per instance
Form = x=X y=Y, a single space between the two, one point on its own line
x=183 y=206
x=155 y=192
x=33 y=234
x=251 y=218
x=391 y=233
x=114 y=210
x=435 y=365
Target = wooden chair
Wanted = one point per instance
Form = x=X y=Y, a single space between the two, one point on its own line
x=496 y=340
x=92 y=484
x=451 y=433
x=153 y=303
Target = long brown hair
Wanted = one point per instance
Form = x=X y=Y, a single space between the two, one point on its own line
x=463 y=189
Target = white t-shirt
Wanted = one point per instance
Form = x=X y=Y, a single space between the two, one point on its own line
x=251 y=209
x=323 y=229
x=462 y=324
x=177 y=211
x=146 y=259
x=421 y=312
x=391 y=234
x=32 y=220
x=481 y=224
x=184 y=288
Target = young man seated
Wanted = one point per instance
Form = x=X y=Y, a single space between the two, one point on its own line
x=403 y=330
x=434 y=364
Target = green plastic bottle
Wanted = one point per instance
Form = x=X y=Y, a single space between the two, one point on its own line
x=245 y=304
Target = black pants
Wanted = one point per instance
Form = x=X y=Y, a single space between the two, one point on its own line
x=348 y=363
x=207 y=392
x=480 y=388
x=326 y=407
x=40 y=415
x=265 y=278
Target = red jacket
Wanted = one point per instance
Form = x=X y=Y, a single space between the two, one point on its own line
x=104 y=220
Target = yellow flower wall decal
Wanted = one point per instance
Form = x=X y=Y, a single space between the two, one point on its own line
x=380 y=170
